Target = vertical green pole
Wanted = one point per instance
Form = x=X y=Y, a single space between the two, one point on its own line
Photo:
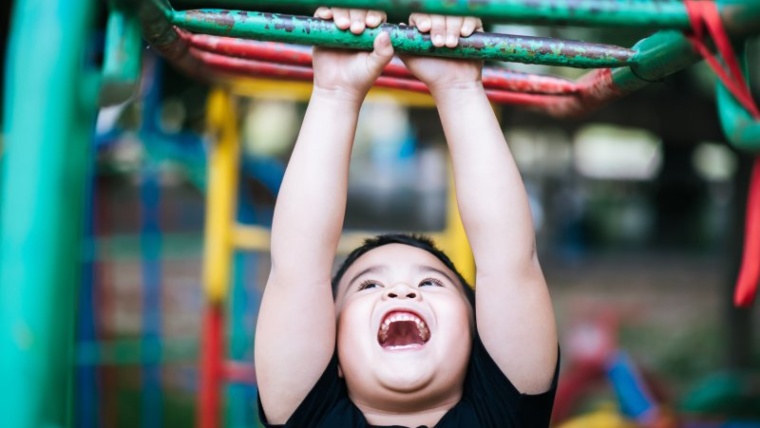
x=50 y=103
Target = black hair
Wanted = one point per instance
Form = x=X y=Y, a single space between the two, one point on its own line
x=413 y=240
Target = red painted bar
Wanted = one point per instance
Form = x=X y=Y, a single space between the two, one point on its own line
x=244 y=67
x=211 y=368
x=595 y=88
x=238 y=372
x=493 y=77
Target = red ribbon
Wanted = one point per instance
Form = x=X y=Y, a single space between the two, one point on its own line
x=703 y=14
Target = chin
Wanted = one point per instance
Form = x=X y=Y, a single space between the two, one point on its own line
x=405 y=378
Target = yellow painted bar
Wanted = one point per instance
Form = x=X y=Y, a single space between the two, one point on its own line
x=301 y=91
x=221 y=196
x=257 y=238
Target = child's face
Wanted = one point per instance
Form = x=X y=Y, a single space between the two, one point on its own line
x=403 y=327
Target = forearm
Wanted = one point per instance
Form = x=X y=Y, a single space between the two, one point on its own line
x=311 y=203
x=514 y=307
x=491 y=196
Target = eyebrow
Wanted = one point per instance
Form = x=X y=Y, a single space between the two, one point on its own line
x=371 y=269
x=425 y=268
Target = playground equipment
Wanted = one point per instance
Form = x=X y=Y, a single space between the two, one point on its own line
x=45 y=171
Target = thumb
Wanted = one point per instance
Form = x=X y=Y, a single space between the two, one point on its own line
x=382 y=53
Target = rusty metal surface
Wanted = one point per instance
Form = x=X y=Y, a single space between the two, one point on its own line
x=405 y=39
x=651 y=60
x=164 y=39
x=597 y=13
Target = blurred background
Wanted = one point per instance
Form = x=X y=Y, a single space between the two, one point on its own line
x=638 y=211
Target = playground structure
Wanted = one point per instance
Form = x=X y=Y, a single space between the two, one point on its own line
x=45 y=175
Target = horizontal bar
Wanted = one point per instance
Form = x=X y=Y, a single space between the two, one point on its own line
x=315 y=31
x=493 y=77
x=257 y=238
x=248 y=68
x=300 y=91
x=121 y=352
x=238 y=372
x=657 y=57
x=598 y=13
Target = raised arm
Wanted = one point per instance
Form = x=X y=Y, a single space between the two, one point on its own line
x=515 y=317
x=295 y=335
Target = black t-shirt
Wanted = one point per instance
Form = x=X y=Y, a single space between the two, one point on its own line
x=489 y=400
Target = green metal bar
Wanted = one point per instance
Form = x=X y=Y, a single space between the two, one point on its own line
x=657 y=57
x=313 y=31
x=601 y=13
x=122 y=60
x=740 y=128
x=662 y=14
x=50 y=105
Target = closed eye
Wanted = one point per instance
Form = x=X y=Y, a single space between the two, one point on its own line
x=368 y=284
x=427 y=282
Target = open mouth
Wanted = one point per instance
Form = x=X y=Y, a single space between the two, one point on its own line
x=402 y=330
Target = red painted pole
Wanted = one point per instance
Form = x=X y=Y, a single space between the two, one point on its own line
x=746 y=284
x=493 y=77
x=244 y=67
x=212 y=367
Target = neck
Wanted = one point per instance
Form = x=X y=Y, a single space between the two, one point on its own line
x=407 y=417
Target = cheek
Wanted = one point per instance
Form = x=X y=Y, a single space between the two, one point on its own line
x=353 y=322
x=457 y=317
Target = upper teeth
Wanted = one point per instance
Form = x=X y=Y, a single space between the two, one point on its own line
x=403 y=317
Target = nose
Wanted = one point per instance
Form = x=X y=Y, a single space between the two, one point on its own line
x=401 y=291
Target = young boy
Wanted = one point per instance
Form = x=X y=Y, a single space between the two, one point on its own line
x=408 y=348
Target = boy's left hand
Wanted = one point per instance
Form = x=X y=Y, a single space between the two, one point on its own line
x=445 y=31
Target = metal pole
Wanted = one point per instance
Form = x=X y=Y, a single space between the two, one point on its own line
x=494 y=77
x=601 y=13
x=315 y=31
x=50 y=103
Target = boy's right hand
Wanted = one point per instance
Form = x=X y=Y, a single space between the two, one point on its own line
x=348 y=73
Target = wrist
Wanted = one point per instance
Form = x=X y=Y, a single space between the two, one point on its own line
x=337 y=96
x=442 y=93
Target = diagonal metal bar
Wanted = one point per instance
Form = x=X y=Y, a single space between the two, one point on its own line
x=494 y=77
x=315 y=31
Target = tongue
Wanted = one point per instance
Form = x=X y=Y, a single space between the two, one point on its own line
x=402 y=333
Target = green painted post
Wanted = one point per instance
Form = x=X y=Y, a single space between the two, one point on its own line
x=312 y=31
x=122 y=60
x=50 y=104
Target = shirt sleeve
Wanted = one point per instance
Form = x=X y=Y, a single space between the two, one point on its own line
x=318 y=402
x=496 y=400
